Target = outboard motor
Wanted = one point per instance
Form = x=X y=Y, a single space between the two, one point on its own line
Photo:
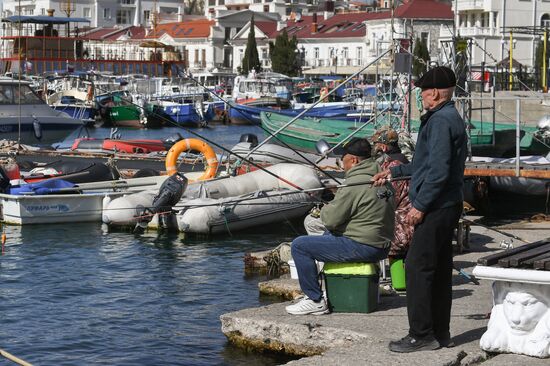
x=251 y=138
x=171 y=140
x=169 y=195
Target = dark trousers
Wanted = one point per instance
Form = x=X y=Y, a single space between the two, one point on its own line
x=428 y=267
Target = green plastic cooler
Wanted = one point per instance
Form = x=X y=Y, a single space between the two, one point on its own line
x=352 y=287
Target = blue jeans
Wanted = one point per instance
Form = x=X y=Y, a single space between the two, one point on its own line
x=328 y=248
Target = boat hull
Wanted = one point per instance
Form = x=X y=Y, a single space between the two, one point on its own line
x=184 y=115
x=49 y=209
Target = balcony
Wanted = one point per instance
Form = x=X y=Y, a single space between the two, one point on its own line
x=477 y=31
x=472 y=5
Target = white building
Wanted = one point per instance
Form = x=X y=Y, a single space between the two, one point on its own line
x=487 y=23
x=214 y=8
x=342 y=43
x=101 y=13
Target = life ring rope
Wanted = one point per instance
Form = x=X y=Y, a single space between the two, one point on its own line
x=196 y=145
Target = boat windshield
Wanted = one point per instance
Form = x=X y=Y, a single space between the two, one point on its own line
x=257 y=87
x=15 y=94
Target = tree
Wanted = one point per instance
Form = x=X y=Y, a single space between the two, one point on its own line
x=420 y=53
x=284 y=55
x=251 y=60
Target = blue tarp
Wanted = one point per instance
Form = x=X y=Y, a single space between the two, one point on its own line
x=50 y=186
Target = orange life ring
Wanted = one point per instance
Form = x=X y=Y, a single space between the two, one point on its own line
x=196 y=145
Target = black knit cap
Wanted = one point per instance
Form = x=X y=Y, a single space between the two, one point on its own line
x=440 y=77
x=358 y=147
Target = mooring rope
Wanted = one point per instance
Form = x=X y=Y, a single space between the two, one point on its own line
x=13 y=358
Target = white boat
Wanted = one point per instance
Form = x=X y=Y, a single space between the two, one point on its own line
x=71 y=207
x=275 y=154
x=26 y=118
x=225 y=215
x=224 y=192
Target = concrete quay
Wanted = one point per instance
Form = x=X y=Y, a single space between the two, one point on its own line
x=362 y=339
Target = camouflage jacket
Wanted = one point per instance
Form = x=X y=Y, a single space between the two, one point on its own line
x=403 y=231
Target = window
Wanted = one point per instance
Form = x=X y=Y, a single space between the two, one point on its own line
x=87 y=12
x=107 y=13
x=221 y=2
x=126 y=2
x=266 y=8
x=359 y=53
x=545 y=20
x=146 y=15
x=425 y=37
x=316 y=53
x=264 y=54
x=123 y=16
x=43 y=11
x=211 y=2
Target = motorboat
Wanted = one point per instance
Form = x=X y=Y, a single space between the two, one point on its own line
x=27 y=119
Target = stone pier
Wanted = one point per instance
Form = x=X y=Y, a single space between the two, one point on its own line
x=362 y=339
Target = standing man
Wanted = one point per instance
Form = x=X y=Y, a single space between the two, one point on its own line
x=359 y=221
x=437 y=173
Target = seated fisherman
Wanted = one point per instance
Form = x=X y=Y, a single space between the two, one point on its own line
x=360 y=224
x=389 y=154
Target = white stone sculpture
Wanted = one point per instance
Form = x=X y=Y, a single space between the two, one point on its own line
x=520 y=319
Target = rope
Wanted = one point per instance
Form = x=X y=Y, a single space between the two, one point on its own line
x=13 y=358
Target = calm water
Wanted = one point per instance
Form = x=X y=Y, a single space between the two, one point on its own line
x=75 y=295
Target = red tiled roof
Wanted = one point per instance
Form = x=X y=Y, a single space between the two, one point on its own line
x=344 y=25
x=268 y=28
x=424 y=9
x=98 y=33
x=113 y=34
x=190 y=29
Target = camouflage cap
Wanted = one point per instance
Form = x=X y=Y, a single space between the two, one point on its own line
x=385 y=135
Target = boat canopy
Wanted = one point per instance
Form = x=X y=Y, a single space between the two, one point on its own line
x=43 y=19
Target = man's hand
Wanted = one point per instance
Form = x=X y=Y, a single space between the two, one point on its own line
x=414 y=217
x=381 y=178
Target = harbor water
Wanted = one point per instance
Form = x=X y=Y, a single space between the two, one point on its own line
x=77 y=295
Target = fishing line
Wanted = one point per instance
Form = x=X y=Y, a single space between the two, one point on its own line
x=237 y=201
x=182 y=73
x=249 y=161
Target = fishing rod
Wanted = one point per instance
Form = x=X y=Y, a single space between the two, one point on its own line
x=476 y=223
x=319 y=101
x=233 y=202
x=182 y=72
x=249 y=161
x=364 y=125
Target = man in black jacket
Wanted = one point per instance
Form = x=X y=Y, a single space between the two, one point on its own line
x=437 y=173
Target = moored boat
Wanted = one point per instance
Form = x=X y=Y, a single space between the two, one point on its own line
x=26 y=118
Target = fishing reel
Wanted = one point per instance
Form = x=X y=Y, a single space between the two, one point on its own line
x=384 y=193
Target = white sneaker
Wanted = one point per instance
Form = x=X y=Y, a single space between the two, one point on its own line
x=307 y=306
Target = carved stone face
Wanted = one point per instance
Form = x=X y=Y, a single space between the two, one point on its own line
x=523 y=311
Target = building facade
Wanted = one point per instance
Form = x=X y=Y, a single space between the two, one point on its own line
x=101 y=13
x=488 y=24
